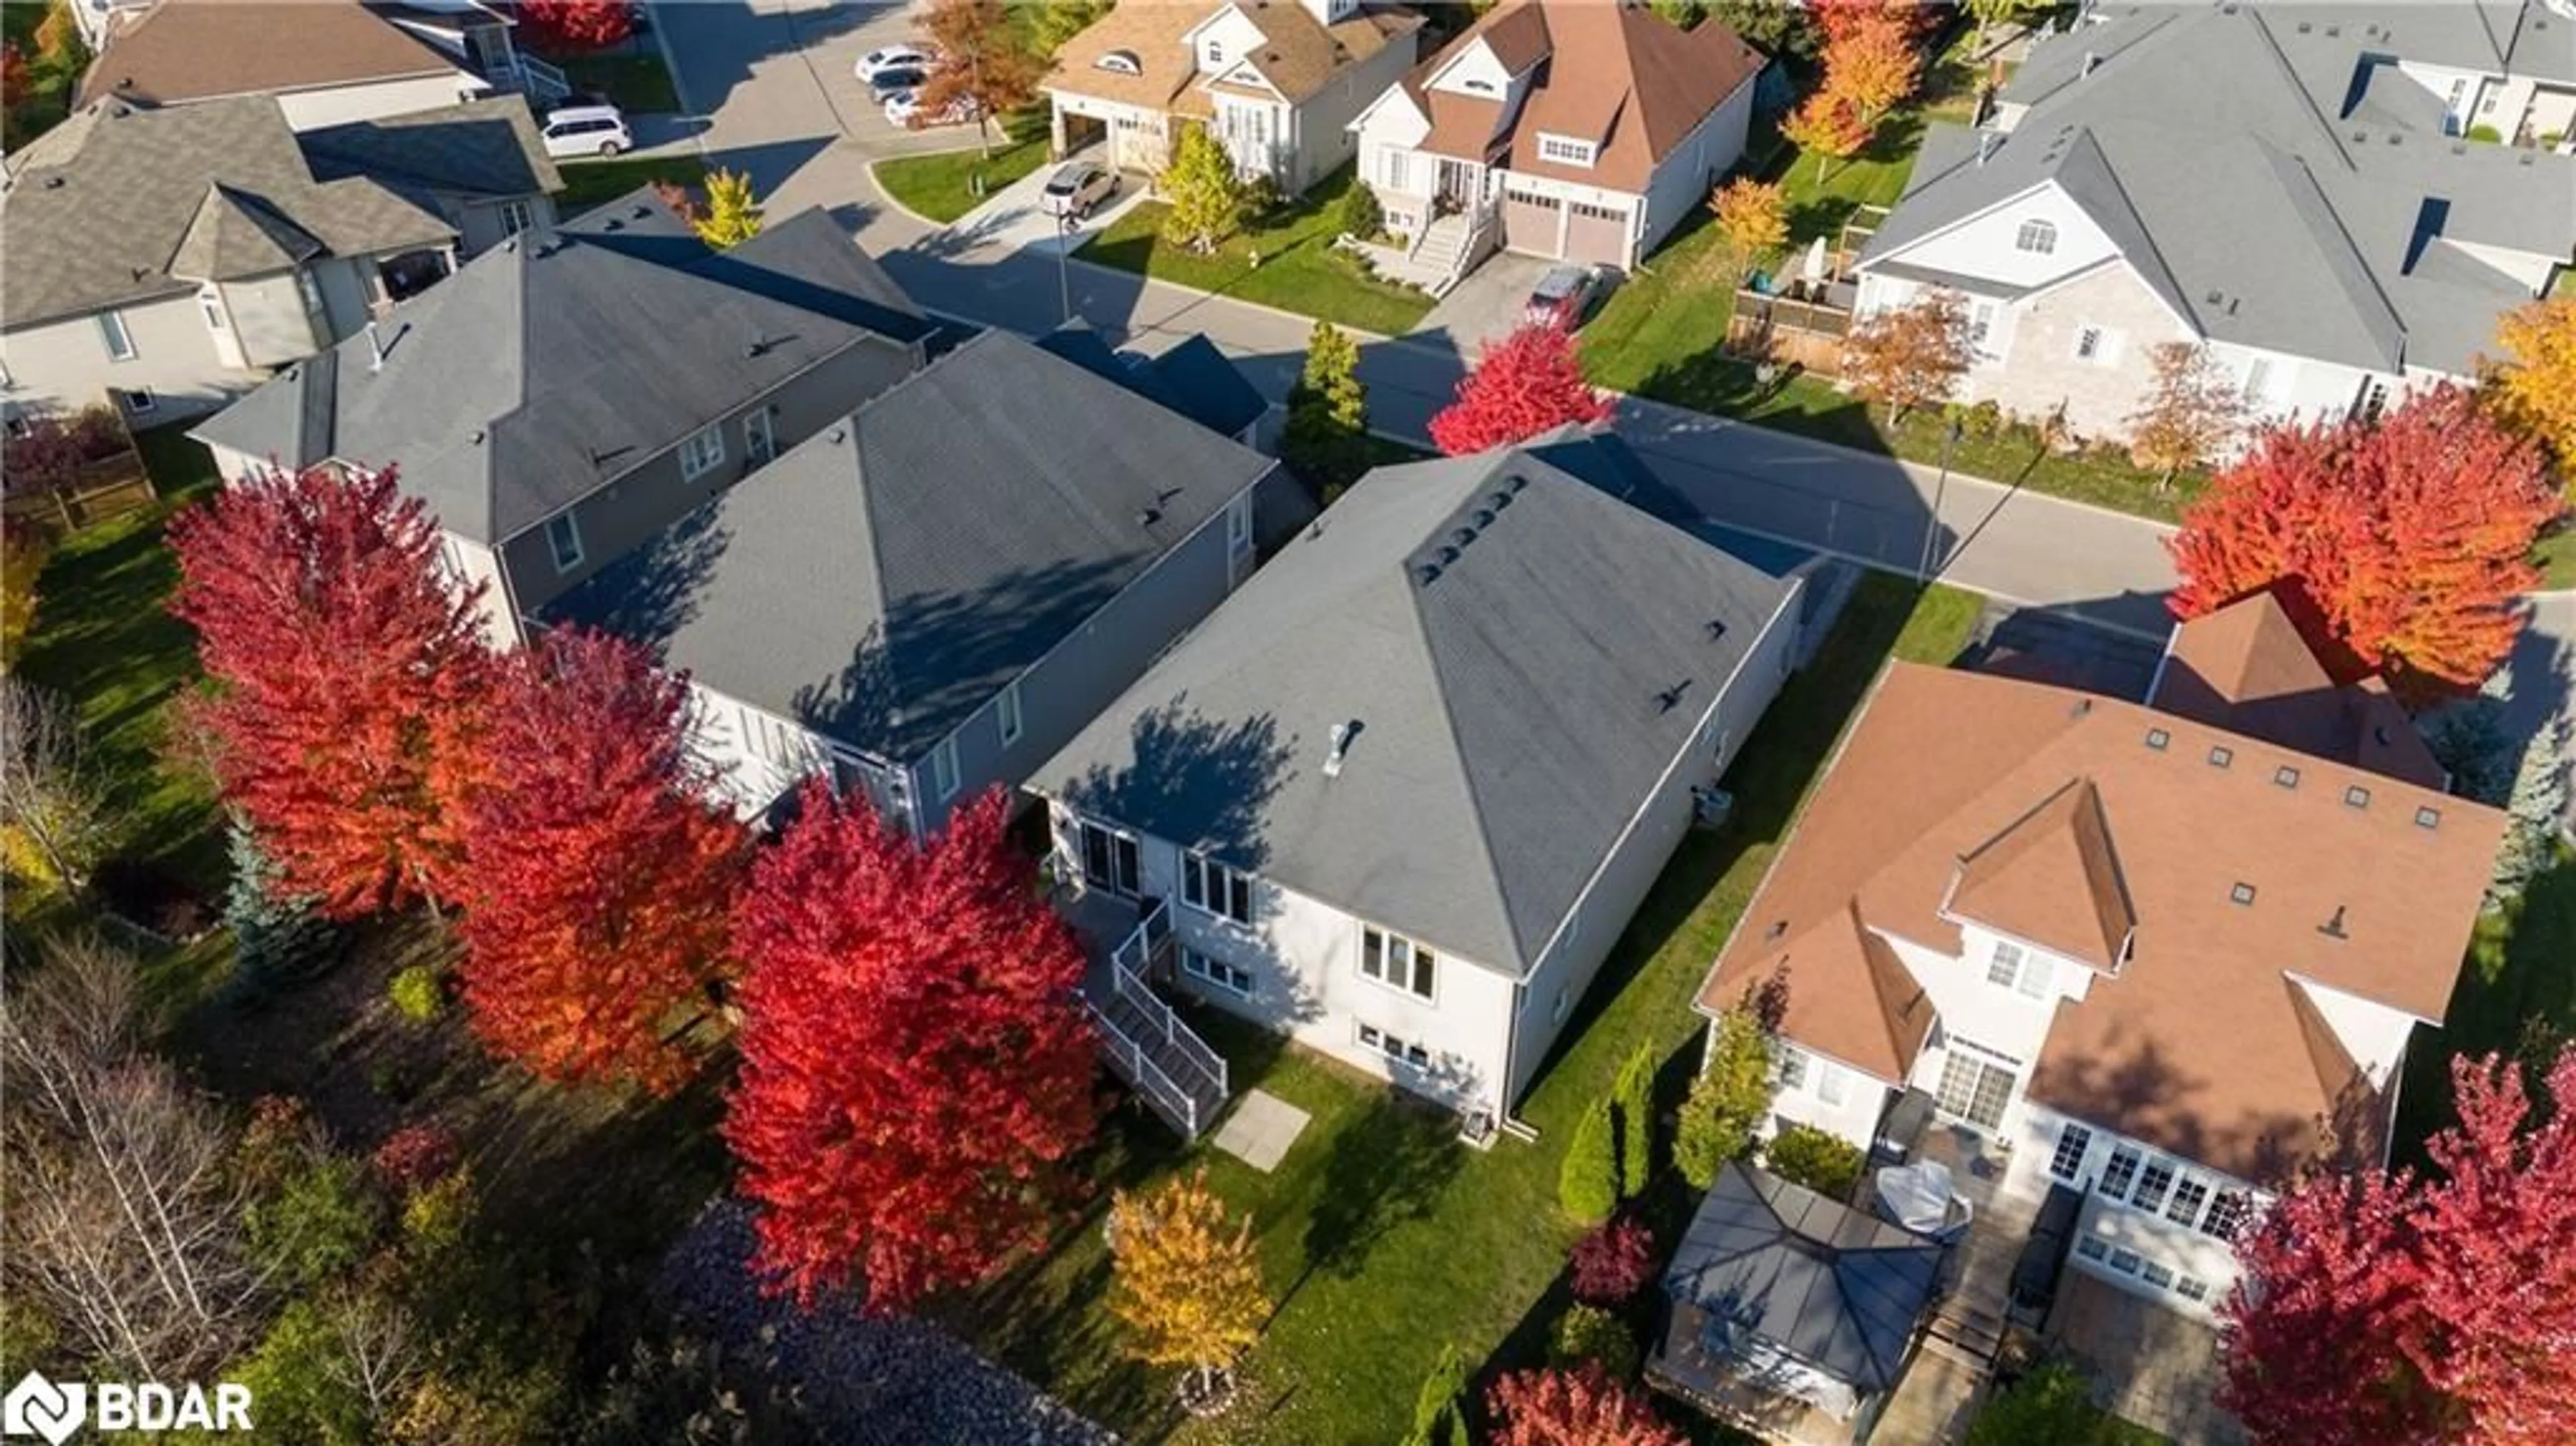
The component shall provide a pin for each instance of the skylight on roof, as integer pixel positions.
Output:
(2357, 796)
(2242, 893)
(2428, 818)
(2158, 739)
(2221, 757)
(2286, 776)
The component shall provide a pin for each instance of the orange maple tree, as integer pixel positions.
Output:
(2412, 534)
(1579, 1407)
(1827, 126)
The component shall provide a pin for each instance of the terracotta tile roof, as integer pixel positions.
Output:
(182, 50)
(2197, 1043)
(1618, 75)
(2052, 878)
(1298, 57)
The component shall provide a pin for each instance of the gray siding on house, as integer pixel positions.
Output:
(618, 518)
(1087, 671)
(1568, 967)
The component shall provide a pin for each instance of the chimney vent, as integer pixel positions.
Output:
(375, 345)
(1988, 142)
(2091, 60)
(1341, 746)
(2333, 928)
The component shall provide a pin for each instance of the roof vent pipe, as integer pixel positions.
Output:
(1988, 142)
(2091, 59)
(376, 345)
(1341, 745)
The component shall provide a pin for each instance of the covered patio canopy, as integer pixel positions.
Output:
(1781, 1271)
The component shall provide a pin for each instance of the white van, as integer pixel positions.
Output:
(587, 130)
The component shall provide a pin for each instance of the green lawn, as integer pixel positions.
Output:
(2517, 995)
(1660, 334)
(592, 183)
(1384, 1237)
(637, 84)
(2052, 1406)
(2556, 555)
(1285, 260)
(940, 186)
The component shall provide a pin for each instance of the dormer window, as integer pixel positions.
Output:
(1479, 86)
(1215, 54)
(1564, 150)
(1119, 62)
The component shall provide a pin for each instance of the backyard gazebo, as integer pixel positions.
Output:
(1789, 1305)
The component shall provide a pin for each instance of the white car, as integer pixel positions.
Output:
(1076, 188)
(892, 57)
(587, 130)
(903, 108)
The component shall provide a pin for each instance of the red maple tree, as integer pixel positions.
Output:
(1526, 384)
(577, 24)
(1581, 1407)
(2412, 534)
(596, 867)
(340, 656)
(916, 1067)
(2376, 1309)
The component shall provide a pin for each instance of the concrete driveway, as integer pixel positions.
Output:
(1487, 304)
(771, 88)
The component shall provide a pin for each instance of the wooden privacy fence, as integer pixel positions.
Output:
(103, 488)
(1776, 328)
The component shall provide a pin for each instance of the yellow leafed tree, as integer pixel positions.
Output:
(1187, 1283)
(732, 214)
(1753, 216)
(2535, 384)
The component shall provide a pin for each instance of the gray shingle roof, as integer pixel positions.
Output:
(112, 206)
(884, 579)
(1783, 1265)
(1193, 378)
(1502, 633)
(547, 366)
(489, 146)
(2284, 207)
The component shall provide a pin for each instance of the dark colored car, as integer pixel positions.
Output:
(902, 77)
(1563, 296)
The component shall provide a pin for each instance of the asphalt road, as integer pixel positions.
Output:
(772, 81)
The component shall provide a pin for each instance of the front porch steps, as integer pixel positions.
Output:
(1449, 248)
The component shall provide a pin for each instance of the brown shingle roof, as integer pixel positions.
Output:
(1618, 75)
(2195, 1045)
(2052, 878)
(2255, 666)
(182, 50)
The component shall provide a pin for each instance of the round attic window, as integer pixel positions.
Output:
(1121, 62)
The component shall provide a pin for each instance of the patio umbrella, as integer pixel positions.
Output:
(1812, 271)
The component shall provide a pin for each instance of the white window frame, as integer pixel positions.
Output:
(1238, 523)
(1833, 1082)
(1417, 961)
(2120, 1172)
(945, 778)
(2003, 967)
(1006, 712)
(1216, 973)
(1395, 170)
(2187, 1187)
(116, 336)
(2037, 236)
(2155, 1185)
(1215, 889)
(569, 539)
(1565, 150)
(763, 423)
(1976, 1087)
(2090, 343)
(696, 460)
(2258, 381)
(1792, 1066)
(2021, 969)
(517, 216)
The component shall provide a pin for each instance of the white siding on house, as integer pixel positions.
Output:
(2372, 1033)
(64, 365)
(2181, 1248)
(339, 104)
(1474, 71)
(1304, 960)
(1826, 1095)
(1985, 245)
(1681, 183)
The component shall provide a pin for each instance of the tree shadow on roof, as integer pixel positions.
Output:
(649, 595)
(1195, 780)
(935, 658)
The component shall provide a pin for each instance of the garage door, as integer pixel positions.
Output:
(1596, 234)
(1529, 223)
